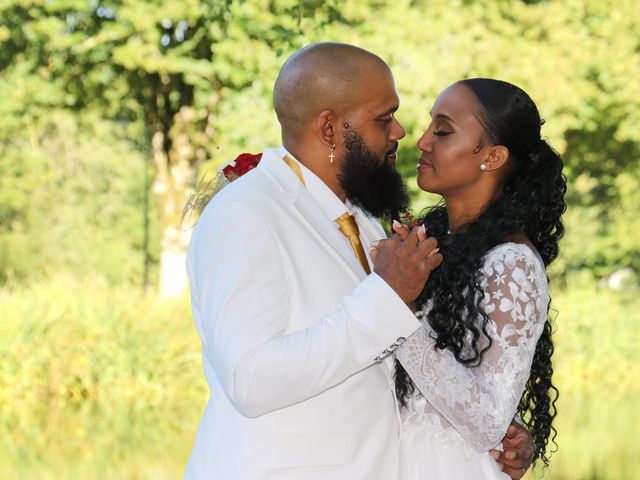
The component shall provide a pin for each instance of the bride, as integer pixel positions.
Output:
(484, 352)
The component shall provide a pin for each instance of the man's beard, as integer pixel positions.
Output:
(375, 187)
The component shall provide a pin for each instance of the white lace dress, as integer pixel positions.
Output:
(459, 413)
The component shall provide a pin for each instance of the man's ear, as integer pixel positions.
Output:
(326, 127)
(496, 158)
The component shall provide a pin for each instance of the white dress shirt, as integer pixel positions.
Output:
(331, 205)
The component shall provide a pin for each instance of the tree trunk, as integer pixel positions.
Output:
(175, 170)
(179, 140)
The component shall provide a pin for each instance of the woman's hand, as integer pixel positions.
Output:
(403, 231)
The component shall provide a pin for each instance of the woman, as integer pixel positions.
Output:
(484, 353)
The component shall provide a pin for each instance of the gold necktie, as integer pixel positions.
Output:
(349, 229)
(293, 165)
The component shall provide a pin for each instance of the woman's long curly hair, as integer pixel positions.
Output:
(531, 203)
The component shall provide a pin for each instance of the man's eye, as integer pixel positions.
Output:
(442, 133)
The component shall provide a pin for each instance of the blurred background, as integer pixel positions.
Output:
(111, 110)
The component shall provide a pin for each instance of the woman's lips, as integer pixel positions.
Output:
(423, 164)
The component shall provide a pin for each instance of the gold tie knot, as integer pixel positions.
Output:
(348, 225)
(349, 228)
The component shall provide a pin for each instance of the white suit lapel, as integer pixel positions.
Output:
(318, 223)
(311, 211)
(324, 229)
(376, 232)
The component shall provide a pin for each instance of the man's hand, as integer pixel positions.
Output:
(518, 451)
(405, 263)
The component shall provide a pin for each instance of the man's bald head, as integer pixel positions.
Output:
(321, 76)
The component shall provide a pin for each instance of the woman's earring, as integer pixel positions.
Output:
(331, 155)
(483, 167)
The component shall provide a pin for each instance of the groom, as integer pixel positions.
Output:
(296, 321)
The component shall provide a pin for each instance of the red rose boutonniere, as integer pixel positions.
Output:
(241, 165)
(206, 190)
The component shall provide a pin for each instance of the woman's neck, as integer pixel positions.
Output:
(465, 207)
(462, 213)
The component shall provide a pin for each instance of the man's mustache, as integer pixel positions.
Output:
(393, 150)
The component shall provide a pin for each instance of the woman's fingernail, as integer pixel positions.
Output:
(396, 224)
(424, 230)
(434, 251)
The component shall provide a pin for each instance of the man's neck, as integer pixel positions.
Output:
(322, 168)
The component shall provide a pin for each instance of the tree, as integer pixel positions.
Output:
(166, 63)
(195, 76)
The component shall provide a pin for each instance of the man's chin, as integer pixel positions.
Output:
(388, 207)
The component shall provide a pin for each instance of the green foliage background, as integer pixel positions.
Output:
(100, 99)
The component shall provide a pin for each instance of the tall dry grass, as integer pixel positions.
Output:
(100, 381)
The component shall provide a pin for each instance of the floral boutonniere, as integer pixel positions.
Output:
(205, 190)
(407, 219)
(241, 165)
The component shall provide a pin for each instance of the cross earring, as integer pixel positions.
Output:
(331, 155)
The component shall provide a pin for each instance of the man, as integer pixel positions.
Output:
(296, 333)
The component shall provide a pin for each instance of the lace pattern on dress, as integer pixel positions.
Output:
(478, 403)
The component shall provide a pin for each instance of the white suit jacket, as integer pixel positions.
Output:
(290, 327)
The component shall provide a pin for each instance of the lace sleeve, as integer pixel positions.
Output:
(480, 402)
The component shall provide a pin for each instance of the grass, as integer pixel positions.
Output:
(596, 338)
(104, 382)
(69, 340)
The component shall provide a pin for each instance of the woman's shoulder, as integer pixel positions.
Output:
(515, 265)
(515, 249)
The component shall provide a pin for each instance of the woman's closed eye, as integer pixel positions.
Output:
(442, 133)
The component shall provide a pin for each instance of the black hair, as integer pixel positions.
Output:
(375, 186)
(531, 203)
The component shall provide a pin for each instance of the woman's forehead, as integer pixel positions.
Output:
(457, 102)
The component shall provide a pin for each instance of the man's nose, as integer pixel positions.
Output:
(398, 131)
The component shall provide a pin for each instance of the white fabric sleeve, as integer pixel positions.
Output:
(480, 402)
(241, 291)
